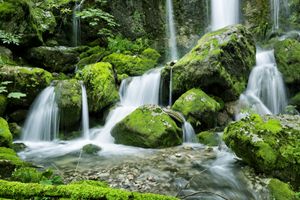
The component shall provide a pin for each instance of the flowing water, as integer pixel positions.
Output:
(224, 13)
(76, 27)
(42, 123)
(276, 6)
(85, 114)
(265, 92)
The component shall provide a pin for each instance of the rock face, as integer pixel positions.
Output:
(198, 108)
(5, 135)
(149, 127)
(30, 81)
(68, 94)
(288, 61)
(269, 144)
(219, 64)
(99, 81)
(54, 59)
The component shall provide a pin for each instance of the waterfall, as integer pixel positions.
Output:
(265, 92)
(224, 13)
(42, 123)
(76, 29)
(189, 135)
(134, 92)
(85, 114)
(171, 31)
(276, 7)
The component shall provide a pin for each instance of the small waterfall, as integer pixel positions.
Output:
(85, 114)
(134, 92)
(224, 13)
(189, 135)
(265, 92)
(171, 31)
(42, 123)
(276, 10)
(76, 29)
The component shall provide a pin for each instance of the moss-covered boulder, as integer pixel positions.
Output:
(149, 127)
(133, 65)
(198, 108)
(6, 57)
(91, 56)
(69, 100)
(9, 161)
(288, 61)
(5, 135)
(281, 191)
(54, 59)
(269, 144)
(30, 81)
(209, 138)
(219, 64)
(100, 84)
(91, 149)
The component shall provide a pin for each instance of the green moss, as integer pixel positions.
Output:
(27, 175)
(151, 54)
(296, 101)
(100, 84)
(209, 138)
(148, 127)
(198, 108)
(9, 161)
(92, 56)
(5, 135)
(91, 149)
(281, 191)
(130, 65)
(73, 191)
(3, 104)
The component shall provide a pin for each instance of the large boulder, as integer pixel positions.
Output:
(270, 144)
(288, 61)
(54, 59)
(198, 108)
(100, 84)
(30, 81)
(5, 135)
(149, 127)
(133, 65)
(219, 64)
(68, 96)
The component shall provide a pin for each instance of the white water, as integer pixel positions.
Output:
(76, 28)
(276, 6)
(265, 92)
(189, 135)
(42, 123)
(171, 31)
(224, 13)
(85, 114)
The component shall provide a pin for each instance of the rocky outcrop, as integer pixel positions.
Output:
(198, 108)
(219, 64)
(100, 83)
(148, 127)
(269, 144)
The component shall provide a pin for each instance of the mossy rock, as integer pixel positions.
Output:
(6, 56)
(288, 61)
(91, 149)
(9, 161)
(198, 108)
(100, 84)
(295, 101)
(27, 175)
(5, 134)
(15, 130)
(69, 101)
(149, 127)
(91, 56)
(219, 64)
(30, 81)
(3, 104)
(151, 54)
(281, 191)
(54, 59)
(132, 65)
(84, 190)
(269, 144)
(209, 138)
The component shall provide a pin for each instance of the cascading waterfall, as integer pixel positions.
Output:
(276, 11)
(224, 13)
(85, 114)
(265, 92)
(42, 123)
(76, 29)
(171, 33)
(189, 135)
(134, 92)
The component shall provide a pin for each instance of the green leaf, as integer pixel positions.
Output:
(5, 82)
(16, 95)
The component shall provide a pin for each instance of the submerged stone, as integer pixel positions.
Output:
(219, 64)
(91, 149)
(269, 144)
(198, 108)
(149, 127)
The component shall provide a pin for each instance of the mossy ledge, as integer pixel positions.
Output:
(17, 190)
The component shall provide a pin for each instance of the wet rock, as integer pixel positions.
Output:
(209, 138)
(91, 149)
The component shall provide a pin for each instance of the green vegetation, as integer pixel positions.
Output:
(149, 127)
(281, 191)
(5, 135)
(209, 138)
